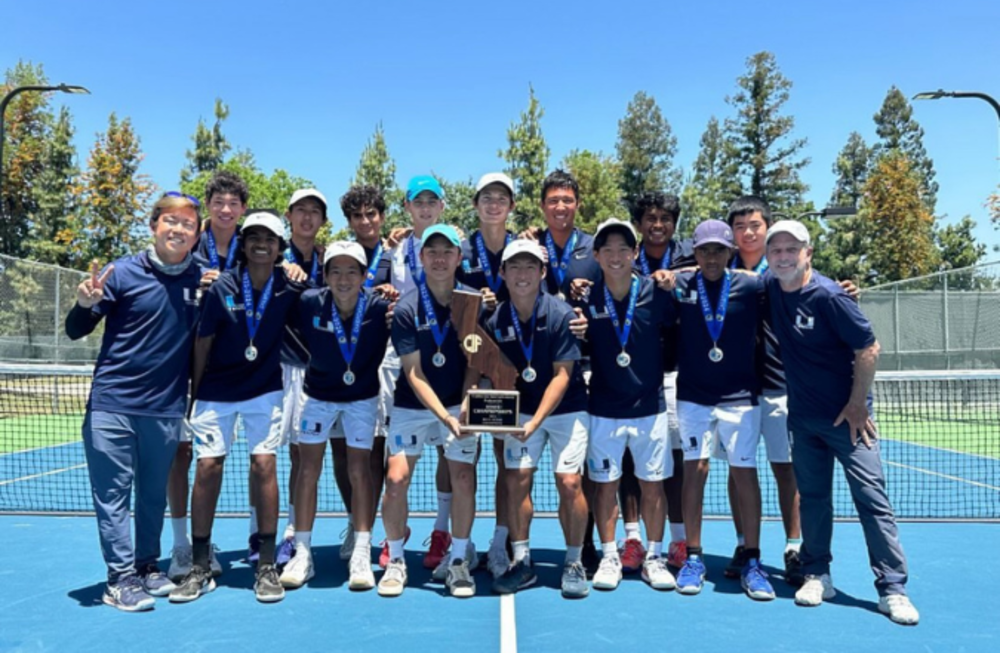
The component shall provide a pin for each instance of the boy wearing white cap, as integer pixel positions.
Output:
(345, 334)
(236, 371)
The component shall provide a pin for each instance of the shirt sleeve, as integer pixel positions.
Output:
(849, 322)
(404, 330)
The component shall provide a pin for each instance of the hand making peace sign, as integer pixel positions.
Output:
(91, 290)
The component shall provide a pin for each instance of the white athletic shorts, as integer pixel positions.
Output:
(213, 424)
(356, 417)
(567, 438)
(730, 432)
(292, 378)
(670, 394)
(388, 373)
(646, 438)
(411, 429)
(774, 428)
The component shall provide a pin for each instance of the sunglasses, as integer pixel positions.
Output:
(174, 193)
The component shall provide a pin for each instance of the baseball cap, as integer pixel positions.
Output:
(421, 183)
(713, 231)
(614, 225)
(445, 230)
(495, 178)
(266, 220)
(522, 246)
(793, 228)
(304, 193)
(345, 248)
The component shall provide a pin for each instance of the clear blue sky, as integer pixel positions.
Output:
(307, 81)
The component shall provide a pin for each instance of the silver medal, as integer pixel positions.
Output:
(438, 359)
(251, 353)
(529, 374)
(623, 360)
(715, 354)
(349, 377)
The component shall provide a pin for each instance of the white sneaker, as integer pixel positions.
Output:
(347, 547)
(440, 573)
(394, 579)
(609, 574)
(815, 590)
(299, 569)
(656, 573)
(180, 562)
(899, 609)
(361, 576)
(459, 580)
(497, 561)
(214, 565)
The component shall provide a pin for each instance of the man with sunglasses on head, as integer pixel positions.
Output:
(135, 410)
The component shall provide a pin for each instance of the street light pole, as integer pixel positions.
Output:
(938, 94)
(63, 88)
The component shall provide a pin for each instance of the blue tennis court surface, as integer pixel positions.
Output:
(53, 574)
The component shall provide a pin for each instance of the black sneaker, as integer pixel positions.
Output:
(520, 575)
(268, 587)
(591, 561)
(793, 569)
(197, 582)
(735, 566)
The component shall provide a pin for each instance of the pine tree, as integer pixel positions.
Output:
(210, 145)
(527, 159)
(646, 149)
(714, 181)
(377, 168)
(54, 199)
(600, 193)
(899, 132)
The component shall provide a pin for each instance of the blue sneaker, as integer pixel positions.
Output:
(285, 551)
(253, 548)
(755, 583)
(154, 581)
(691, 578)
(128, 594)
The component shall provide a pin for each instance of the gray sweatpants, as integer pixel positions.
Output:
(815, 444)
(125, 451)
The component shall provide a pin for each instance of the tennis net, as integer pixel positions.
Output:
(940, 446)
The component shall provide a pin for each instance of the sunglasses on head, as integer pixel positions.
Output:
(175, 193)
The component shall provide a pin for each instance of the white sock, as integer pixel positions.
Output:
(459, 545)
(180, 528)
(362, 543)
(305, 537)
(632, 530)
(500, 537)
(740, 540)
(677, 532)
(654, 549)
(573, 554)
(793, 544)
(290, 527)
(610, 550)
(395, 549)
(521, 551)
(253, 520)
(444, 511)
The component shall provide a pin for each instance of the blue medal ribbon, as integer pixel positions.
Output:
(373, 265)
(314, 275)
(439, 333)
(484, 262)
(213, 252)
(714, 318)
(526, 348)
(349, 345)
(644, 262)
(254, 317)
(411, 262)
(622, 330)
(556, 264)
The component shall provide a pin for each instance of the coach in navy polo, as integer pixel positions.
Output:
(830, 352)
(136, 404)
(569, 250)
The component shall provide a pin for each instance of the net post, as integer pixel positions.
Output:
(944, 302)
(55, 334)
(895, 326)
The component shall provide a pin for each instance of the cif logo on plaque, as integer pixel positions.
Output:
(494, 410)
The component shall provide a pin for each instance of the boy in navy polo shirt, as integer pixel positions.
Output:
(627, 314)
(720, 313)
(830, 353)
(237, 373)
(136, 405)
(426, 410)
(533, 330)
(226, 196)
(481, 255)
(346, 334)
(306, 215)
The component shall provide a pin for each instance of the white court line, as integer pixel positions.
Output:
(48, 446)
(508, 625)
(928, 446)
(947, 476)
(33, 476)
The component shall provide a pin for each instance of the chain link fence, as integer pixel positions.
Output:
(34, 301)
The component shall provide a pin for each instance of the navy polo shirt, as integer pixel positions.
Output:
(143, 367)
(201, 250)
(229, 376)
(383, 271)
(325, 374)
(819, 328)
(636, 390)
(472, 272)
(293, 349)
(552, 343)
(681, 256)
(410, 333)
(581, 263)
(733, 380)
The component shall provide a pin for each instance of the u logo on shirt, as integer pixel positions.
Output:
(192, 296)
(319, 325)
(690, 298)
(804, 321)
